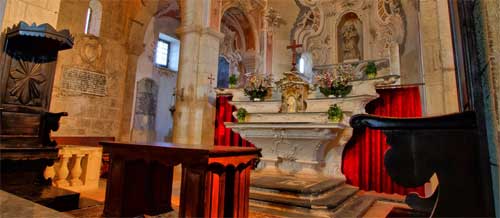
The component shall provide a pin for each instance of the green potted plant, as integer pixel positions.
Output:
(241, 114)
(233, 81)
(335, 113)
(371, 70)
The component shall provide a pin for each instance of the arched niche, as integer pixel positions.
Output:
(239, 45)
(350, 38)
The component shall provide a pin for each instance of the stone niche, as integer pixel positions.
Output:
(350, 38)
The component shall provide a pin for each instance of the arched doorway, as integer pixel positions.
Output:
(237, 52)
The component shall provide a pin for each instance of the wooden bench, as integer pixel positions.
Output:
(215, 179)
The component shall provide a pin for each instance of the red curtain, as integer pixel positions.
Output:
(223, 135)
(363, 160)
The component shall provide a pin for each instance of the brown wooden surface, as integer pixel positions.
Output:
(27, 67)
(215, 179)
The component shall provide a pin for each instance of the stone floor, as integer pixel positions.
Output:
(380, 207)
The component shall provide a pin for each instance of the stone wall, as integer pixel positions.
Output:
(490, 10)
(103, 61)
(39, 11)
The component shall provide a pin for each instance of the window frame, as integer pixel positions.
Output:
(168, 53)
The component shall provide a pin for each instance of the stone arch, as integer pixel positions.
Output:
(240, 44)
(151, 20)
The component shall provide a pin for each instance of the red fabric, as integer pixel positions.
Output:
(363, 160)
(223, 135)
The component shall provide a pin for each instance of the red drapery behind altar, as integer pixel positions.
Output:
(223, 135)
(363, 160)
(363, 157)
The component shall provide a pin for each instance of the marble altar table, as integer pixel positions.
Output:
(215, 179)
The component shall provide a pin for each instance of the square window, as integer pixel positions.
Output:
(162, 52)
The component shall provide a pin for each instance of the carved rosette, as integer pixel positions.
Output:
(27, 83)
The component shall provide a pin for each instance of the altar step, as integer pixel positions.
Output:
(285, 195)
(355, 206)
(326, 200)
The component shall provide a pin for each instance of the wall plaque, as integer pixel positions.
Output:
(84, 81)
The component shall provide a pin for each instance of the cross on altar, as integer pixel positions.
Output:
(294, 47)
(211, 78)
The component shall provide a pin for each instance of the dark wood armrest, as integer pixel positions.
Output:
(48, 123)
(466, 120)
(448, 146)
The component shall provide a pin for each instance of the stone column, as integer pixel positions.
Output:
(439, 68)
(195, 98)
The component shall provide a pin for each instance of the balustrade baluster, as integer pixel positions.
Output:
(62, 172)
(77, 171)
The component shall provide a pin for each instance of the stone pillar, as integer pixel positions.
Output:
(439, 68)
(195, 97)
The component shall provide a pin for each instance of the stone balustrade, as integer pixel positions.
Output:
(77, 169)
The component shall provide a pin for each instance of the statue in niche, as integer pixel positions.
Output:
(350, 38)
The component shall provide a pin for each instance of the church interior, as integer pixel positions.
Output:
(249, 108)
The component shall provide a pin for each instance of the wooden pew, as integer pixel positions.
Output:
(446, 145)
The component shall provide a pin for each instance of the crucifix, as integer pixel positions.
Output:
(211, 78)
(294, 47)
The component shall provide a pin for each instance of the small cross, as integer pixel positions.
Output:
(294, 47)
(211, 78)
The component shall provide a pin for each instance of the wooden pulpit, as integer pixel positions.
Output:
(448, 146)
(27, 68)
(215, 179)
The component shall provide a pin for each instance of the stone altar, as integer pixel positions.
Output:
(302, 150)
(303, 143)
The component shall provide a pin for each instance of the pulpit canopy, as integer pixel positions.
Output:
(38, 43)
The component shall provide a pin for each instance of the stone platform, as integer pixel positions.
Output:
(289, 195)
(52, 197)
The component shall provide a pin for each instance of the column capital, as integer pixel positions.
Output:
(199, 29)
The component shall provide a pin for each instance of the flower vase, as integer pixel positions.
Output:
(257, 99)
(331, 96)
(241, 120)
(232, 86)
